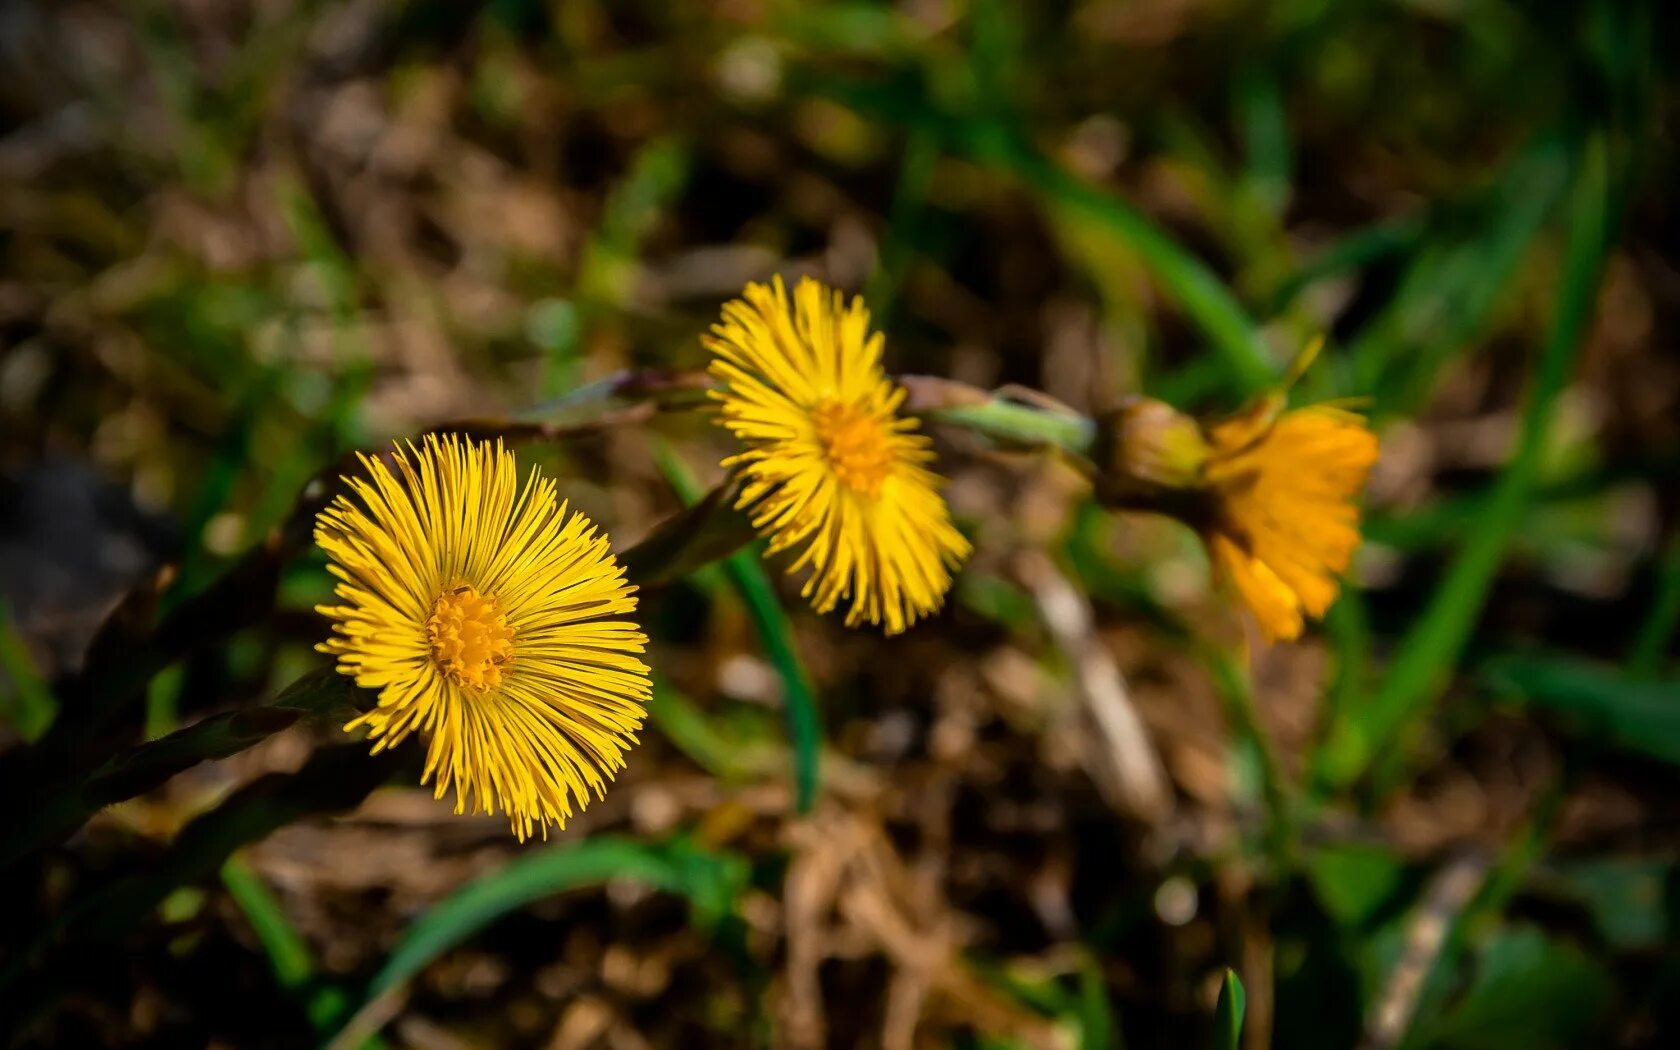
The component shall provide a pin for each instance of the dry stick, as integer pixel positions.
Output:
(1127, 771)
(370, 1019)
(1449, 893)
(1259, 971)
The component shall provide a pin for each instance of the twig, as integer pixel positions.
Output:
(1127, 769)
(1449, 893)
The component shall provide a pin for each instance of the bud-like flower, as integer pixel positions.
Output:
(1272, 493)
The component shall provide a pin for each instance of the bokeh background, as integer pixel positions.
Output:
(240, 237)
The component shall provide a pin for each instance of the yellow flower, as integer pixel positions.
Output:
(1272, 492)
(485, 617)
(830, 465)
(1284, 524)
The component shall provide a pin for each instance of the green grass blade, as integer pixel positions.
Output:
(1656, 634)
(723, 755)
(768, 616)
(287, 953)
(1358, 250)
(708, 880)
(1431, 650)
(25, 701)
(1454, 283)
(1228, 1021)
(1264, 121)
(746, 574)
(915, 178)
(1098, 1029)
(1637, 715)
(1186, 279)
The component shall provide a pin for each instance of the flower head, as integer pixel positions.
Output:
(830, 465)
(1272, 493)
(486, 617)
(1284, 524)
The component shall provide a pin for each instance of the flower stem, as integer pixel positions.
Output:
(1018, 424)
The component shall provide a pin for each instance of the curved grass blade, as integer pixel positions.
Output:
(25, 700)
(281, 942)
(1638, 715)
(288, 955)
(1427, 655)
(1656, 634)
(746, 574)
(709, 881)
(1189, 281)
(1233, 1001)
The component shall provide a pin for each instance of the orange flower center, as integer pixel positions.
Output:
(471, 640)
(856, 444)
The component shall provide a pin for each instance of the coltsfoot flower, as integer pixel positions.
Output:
(1271, 491)
(831, 467)
(489, 620)
(1285, 524)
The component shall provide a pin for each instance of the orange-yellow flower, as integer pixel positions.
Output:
(1284, 522)
(1272, 492)
(489, 620)
(830, 465)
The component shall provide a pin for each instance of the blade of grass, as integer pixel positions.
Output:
(1503, 879)
(25, 702)
(1427, 655)
(284, 946)
(610, 260)
(1656, 634)
(746, 573)
(710, 882)
(1228, 1019)
(1452, 287)
(915, 177)
(288, 954)
(1098, 1029)
(1264, 122)
(1638, 715)
(1000, 138)
(1355, 251)
(1185, 279)
(724, 755)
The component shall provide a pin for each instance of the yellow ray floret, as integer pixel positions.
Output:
(488, 618)
(1284, 523)
(830, 466)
